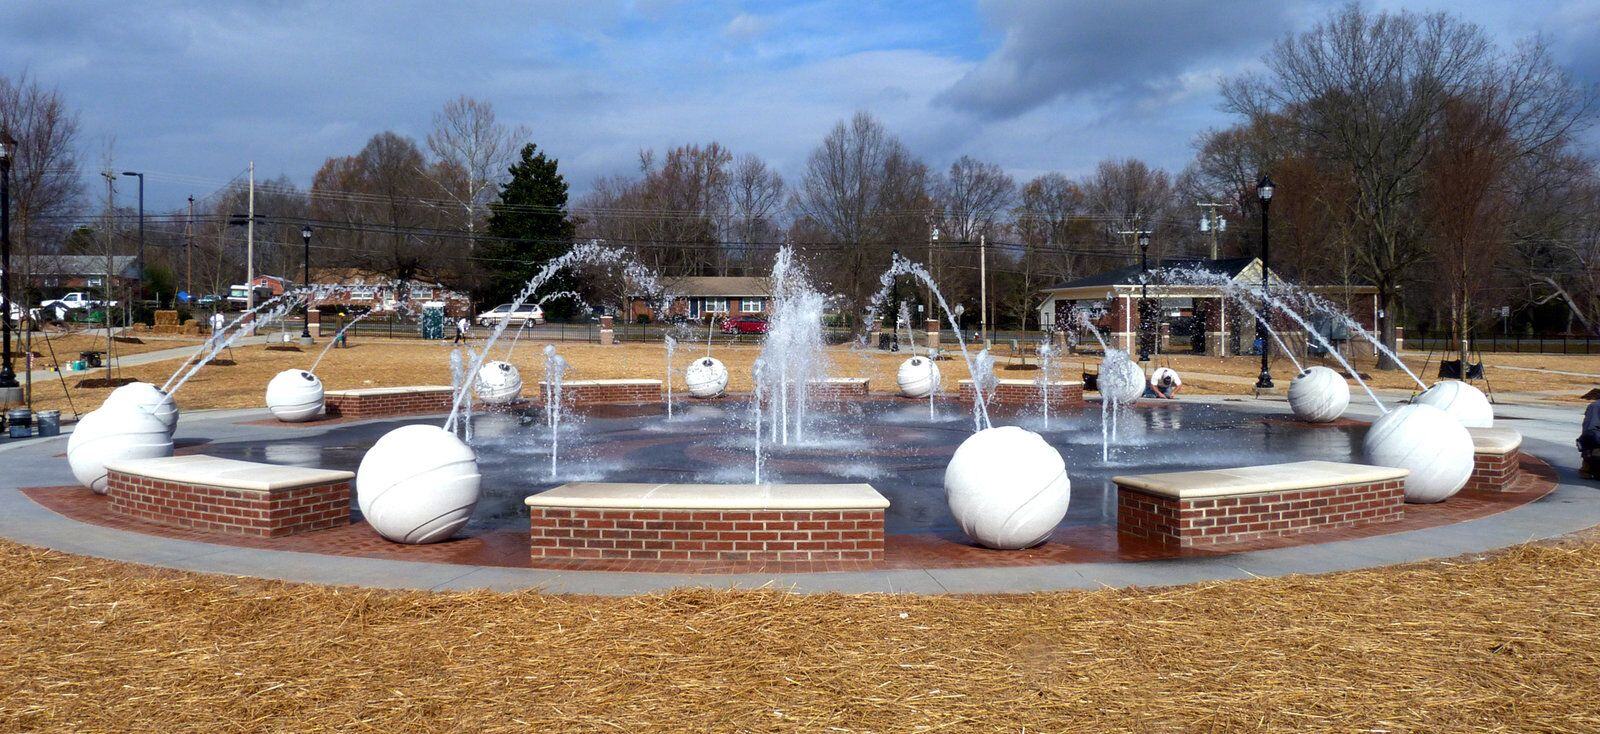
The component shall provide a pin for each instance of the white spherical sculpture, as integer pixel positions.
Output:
(918, 377)
(1463, 402)
(294, 396)
(1007, 488)
(499, 383)
(148, 398)
(418, 484)
(1319, 395)
(1120, 380)
(706, 377)
(115, 432)
(1435, 447)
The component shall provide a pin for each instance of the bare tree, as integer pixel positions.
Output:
(476, 150)
(1364, 93)
(1128, 195)
(971, 197)
(377, 209)
(46, 189)
(864, 191)
(755, 203)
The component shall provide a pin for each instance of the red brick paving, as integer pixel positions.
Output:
(508, 547)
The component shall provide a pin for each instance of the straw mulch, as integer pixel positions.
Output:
(1511, 643)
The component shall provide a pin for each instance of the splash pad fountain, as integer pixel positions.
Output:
(971, 476)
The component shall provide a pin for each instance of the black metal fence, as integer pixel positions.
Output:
(1509, 343)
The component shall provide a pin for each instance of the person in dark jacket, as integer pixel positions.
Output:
(1589, 440)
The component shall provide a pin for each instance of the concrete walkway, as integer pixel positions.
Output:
(133, 360)
(1573, 506)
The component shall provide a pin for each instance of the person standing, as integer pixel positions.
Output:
(218, 323)
(463, 326)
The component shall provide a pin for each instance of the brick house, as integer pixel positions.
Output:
(702, 297)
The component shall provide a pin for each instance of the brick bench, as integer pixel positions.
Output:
(1496, 459)
(589, 392)
(726, 526)
(372, 402)
(837, 388)
(1200, 508)
(228, 496)
(1063, 393)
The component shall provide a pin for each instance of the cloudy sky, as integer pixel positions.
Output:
(192, 91)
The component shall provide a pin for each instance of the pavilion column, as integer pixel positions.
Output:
(608, 335)
(932, 325)
(314, 320)
(1216, 326)
(1124, 323)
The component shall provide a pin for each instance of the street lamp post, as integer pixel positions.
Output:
(9, 389)
(894, 297)
(1144, 296)
(140, 288)
(1264, 192)
(305, 274)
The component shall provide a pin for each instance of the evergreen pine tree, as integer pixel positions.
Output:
(531, 226)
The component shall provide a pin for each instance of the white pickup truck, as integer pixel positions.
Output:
(72, 301)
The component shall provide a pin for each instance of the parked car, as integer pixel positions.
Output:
(72, 301)
(209, 300)
(744, 325)
(526, 313)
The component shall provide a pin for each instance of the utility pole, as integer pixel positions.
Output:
(1212, 222)
(111, 213)
(188, 250)
(933, 238)
(250, 252)
(983, 289)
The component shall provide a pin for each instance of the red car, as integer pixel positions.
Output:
(744, 325)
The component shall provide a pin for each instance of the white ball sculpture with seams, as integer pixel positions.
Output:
(418, 484)
(1463, 402)
(1007, 488)
(115, 432)
(1319, 395)
(1120, 380)
(499, 383)
(706, 377)
(294, 396)
(1435, 447)
(918, 377)
(150, 399)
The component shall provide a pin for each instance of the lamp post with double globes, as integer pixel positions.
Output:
(1264, 192)
(1144, 296)
(10, 391)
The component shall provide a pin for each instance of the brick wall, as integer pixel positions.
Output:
(589, 393)
(340, 404)
(267, 514)
(676, 539)
(1217, 520)
(1495, 472)
(1012, 393)
(831, 390)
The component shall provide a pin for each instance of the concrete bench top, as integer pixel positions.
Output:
(362, 392)
(839, 381)
(1495, 440)
(582, 383)
(1248, 480)
(1030, 383)
(211, 471)
(643, 496)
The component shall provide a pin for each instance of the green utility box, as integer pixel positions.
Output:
(432, 321)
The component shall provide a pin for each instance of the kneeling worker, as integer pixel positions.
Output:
(1165, 383)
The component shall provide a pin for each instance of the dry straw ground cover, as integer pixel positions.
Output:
(1511, 643)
